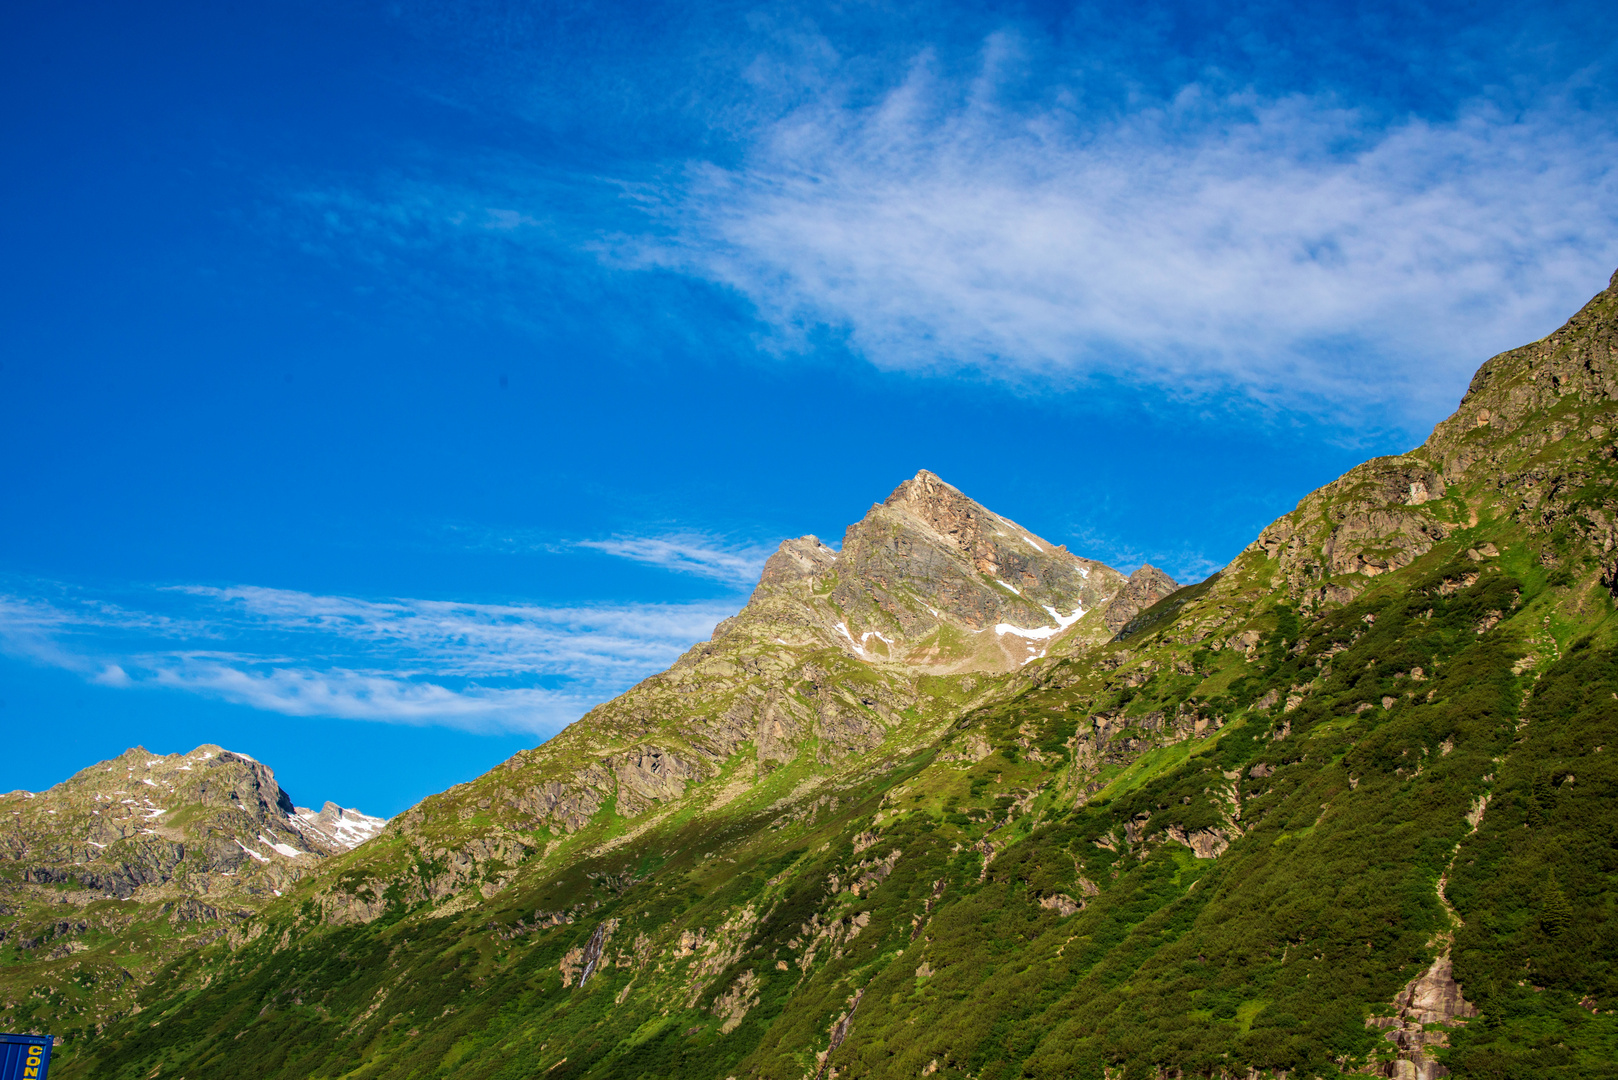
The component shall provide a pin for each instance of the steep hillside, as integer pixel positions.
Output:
(1345, 807)
(133, 861)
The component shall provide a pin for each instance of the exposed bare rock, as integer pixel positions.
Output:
(1374, 519)
(1145, 587)
(1432, 998)
(734, 1003)
(1204, 843)
(566, 805)
(647, 774)
(1061, 903)
(973, 748)
(796, 560)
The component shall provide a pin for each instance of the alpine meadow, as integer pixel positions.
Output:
(950, 801)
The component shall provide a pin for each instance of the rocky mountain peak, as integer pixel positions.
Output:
(343, 828)
(959, 523)
(927, 578)
(211, 822)
(957, 520)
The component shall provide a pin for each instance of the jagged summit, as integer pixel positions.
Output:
(958, 522)
(802, 557)
(928, 578)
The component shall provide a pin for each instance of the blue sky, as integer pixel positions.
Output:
(385, 384)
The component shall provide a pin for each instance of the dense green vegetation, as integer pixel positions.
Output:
(1270, 956)
(1257, 832)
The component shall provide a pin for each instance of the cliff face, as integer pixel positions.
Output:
(953, 802)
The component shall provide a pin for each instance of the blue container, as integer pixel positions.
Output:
(25, 1057)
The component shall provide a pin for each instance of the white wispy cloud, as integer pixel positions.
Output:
(700, 554)
(510, 666)
(361, 695)
(1292, 250)
(688, 554)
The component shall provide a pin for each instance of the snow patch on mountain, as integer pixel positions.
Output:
(1062, 623)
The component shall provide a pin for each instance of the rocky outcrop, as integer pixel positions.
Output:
(649, 774)
(733, 1005)
(1204, 843)
(1373, 520)
(1061, 903)
(1505, 404)
(1387, 513)
(566, 806)
(1145, 587)
(796, 560)
(1432, 999)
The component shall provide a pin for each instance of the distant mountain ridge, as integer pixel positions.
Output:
(194, 819)
(192, 841)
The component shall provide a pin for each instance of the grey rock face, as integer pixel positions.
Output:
(929, 579)
(1144, 588)
(1431, 1000)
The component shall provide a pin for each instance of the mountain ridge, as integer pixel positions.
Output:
(162, 849)
(1338, 809)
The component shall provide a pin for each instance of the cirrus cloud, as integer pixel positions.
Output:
(483, 666)
(1292, 251)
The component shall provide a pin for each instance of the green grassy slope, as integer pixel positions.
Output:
(1375, 749)
(1269, 956)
